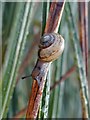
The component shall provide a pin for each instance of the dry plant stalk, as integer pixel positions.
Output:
(64, 77)
(84, 109)
(83, 18)
(84, 45)
(52, 25)
(20, 114)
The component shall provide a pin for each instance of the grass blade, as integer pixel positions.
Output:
(13, 62)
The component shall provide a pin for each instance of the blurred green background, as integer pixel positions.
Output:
(21, 30)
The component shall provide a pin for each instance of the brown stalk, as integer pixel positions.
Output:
(64, 77)
(86, 36)
(83, 18)
(17, 116)
(84, 45)
(52, 25)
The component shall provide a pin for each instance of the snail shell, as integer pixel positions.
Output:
(51, 47)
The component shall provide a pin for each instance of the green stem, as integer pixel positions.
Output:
(13, 62)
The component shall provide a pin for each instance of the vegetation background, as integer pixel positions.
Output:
(21, 30)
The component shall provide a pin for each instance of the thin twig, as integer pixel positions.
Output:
(82, 73)
(64, 77)
(19, 114)
(84, 32)
(36, 93)
(84, 43)
(55, 15)
(86, 36)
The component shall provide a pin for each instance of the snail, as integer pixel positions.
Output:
(51, 47)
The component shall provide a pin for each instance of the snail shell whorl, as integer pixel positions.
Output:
(51, 47)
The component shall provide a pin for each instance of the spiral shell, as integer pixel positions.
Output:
(51, 47)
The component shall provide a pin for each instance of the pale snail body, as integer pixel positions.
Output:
(51, 47)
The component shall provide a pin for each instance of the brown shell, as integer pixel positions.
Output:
(52, 48)
(46, 40)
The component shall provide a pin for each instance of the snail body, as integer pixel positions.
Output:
(51, 47)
